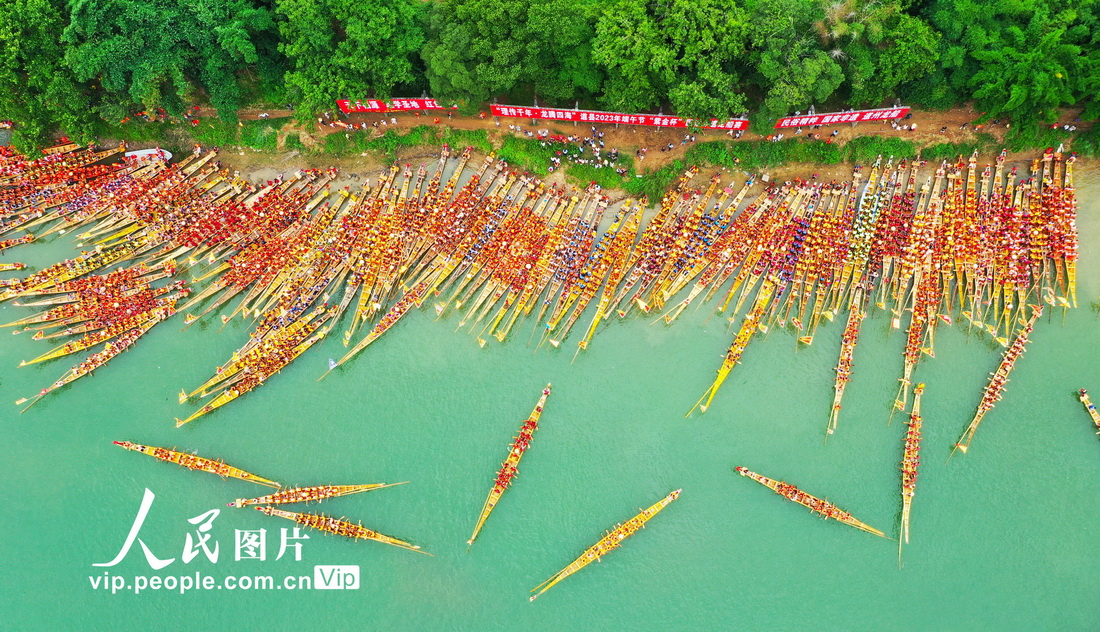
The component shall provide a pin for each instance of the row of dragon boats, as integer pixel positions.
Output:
(487, 246)
(268, 504)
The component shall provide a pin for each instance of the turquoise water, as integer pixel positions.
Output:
(1003, 538)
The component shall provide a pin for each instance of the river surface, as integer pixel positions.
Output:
(1003, 538)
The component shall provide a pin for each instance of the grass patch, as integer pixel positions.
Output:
(460, 139)
(986, 142)
(215, 133)
(136, 131)
(947, 151)
(336, 144)
(720, 153)
(173, 137)
(1088, 143)
(867, 149)
(259, 135)
(655, 183)
(294, 143)
(583, 175)
(533, 157)
(358, 142)
(1029, 136)
(361, 141)
(528, 155)
(752, 155)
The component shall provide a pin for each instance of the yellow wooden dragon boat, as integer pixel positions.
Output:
(198, 463)
(341, 527)
(910, 463)
(749, 328)
(313, 494)
(856, 314)
(813, 503)
(998, 379)
(510, 467)
(609, 542)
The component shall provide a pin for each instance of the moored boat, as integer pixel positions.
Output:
(505, 243)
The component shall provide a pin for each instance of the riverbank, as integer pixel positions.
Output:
(275, 142)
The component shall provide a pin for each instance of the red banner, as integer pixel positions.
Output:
(842, 117)
(393, 105)
(591, 116)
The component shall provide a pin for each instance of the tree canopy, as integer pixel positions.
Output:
(682, 52)
(478, 49)
(341, 48)
(1022, 59)
(66, 64)
(157, 52)
(878, 46)
(37, 87)
(792, 71)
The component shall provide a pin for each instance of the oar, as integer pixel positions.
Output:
(33, 402)
(898, 403)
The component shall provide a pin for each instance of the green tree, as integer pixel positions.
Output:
(560, 64)
(478, 49)
(472, 52)
(792, 70)
(1031, 69)
(37, 90)
(1023, 59)
(685, 53)
(348, 48)
(1085, 32)
(156, 52)
(878, 46)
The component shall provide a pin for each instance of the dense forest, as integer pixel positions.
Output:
(80, 66)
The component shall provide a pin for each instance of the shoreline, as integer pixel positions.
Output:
(353, 171)
(283, 143)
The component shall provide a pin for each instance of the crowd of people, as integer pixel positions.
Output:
(504, 235)
(577, 149)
